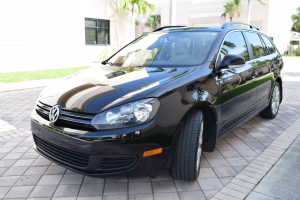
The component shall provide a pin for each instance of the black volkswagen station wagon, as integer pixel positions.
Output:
(160, 101)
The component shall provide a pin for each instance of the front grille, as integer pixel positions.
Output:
(62, 155)
(115, 163)
(68, 118)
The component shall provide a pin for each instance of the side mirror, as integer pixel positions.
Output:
(231, 61)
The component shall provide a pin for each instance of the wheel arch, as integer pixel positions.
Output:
(210, 119)
(279, 80)
(210, 128)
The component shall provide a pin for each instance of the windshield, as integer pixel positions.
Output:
(166, 49)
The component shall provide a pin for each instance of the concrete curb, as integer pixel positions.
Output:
(241, 185)
(8, 87)
(16, 90)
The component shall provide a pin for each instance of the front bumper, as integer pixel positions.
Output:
(99, 157)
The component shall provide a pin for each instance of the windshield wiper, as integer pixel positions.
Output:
(106, 62)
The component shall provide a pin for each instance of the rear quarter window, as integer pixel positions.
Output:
(255, 44)
(269, 45)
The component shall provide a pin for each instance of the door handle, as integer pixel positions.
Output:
(272, 68)
(254, 75)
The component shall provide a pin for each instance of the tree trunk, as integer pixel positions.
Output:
(117, 24)
(249, 11)
(172, 13)
(131, 27)
(230, 19)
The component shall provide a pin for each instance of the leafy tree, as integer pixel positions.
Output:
(297, 51)
(153, 21)
(231, 6)
(142, 7)
(296, 21)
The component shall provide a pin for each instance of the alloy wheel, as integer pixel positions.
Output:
(199, 150)
(275, 99)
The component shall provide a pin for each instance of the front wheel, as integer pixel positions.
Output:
(271, 110)
(188, 148)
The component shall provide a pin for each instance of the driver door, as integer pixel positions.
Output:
(237, 89)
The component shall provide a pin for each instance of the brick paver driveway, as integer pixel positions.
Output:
(25, 174)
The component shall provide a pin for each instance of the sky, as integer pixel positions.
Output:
(295, 4)
(291, 8)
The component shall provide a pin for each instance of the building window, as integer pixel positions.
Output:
(97, 31)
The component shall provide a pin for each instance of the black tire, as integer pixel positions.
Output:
(186, 155)
(271, 110)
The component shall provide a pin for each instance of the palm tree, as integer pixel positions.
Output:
(142, 7)
(249, 10)
(231, 7)
(153, 21)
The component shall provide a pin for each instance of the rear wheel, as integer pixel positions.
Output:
(188, 148)
(271, 111)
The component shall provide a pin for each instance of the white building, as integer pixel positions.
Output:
(41, 34)
(44, 34)
(273, 18)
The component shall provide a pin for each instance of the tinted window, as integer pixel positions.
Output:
(166, 49)
(269, 45)
(256, 45)
(234, 44)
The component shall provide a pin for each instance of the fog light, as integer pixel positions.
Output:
(152, 152)
(137, 134)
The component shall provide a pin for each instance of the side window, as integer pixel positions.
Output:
(234, 43)
(256, 44)
(269, 45)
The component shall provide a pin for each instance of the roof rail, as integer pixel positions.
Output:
(228, 24)
(161, 28)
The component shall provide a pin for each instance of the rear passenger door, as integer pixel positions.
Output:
(237, 91)
(263, 66)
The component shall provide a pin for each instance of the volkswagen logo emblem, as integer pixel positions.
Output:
(54, 113)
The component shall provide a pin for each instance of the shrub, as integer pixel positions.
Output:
(107, 52)
(294, 42)
(297, 51)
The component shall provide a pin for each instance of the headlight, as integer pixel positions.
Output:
(127, 115)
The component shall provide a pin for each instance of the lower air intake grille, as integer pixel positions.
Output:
(115, 163)
(62, 155)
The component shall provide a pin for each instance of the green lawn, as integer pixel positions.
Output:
(11, 77)
(290, 56)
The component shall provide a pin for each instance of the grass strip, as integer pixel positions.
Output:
(290, 56)
(11, 77)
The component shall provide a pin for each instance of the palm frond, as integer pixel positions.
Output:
(224, 14)
(261, 2)
(153, 20)
(142, 6)
(126, 4)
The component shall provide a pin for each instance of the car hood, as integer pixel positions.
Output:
(99, 88)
